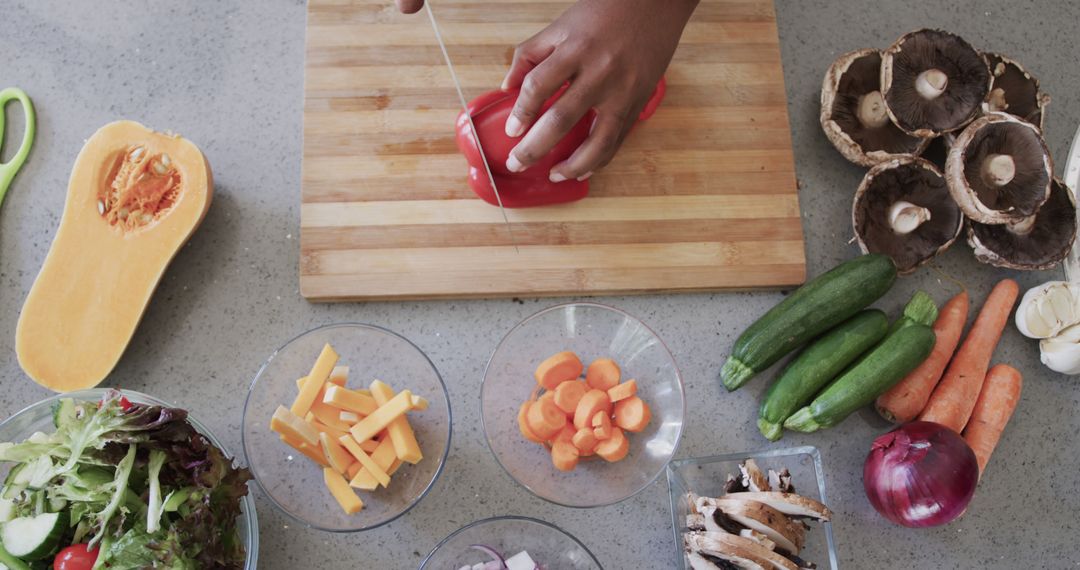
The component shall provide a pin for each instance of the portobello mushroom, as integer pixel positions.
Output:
(1039, 241)
(853, 113)
(903, 209)
(933, 82)
(999, 170)
(1014, 91)
(723, 543)
(791, 504)
(709, 554)
(781, 481)
(758, 538)
(752, 477)
(786, 533)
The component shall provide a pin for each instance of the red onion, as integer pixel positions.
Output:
(920, 474)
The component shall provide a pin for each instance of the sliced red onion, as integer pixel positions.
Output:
(497, 560)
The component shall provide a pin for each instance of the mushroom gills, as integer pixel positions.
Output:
(1014, 91)
(786, 533)
(1039, 241)
(719, 543)
(711, 550)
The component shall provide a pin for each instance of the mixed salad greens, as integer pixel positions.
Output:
(121, 485)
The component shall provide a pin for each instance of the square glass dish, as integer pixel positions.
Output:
(705, 476)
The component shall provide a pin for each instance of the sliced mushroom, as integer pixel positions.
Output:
(758, 538)
(1039, 241)
(999, 169)
(695, 521)
(734, 484)
(1014, 91)
(716, 520)
(752, 477)
(786, 533)
(903, 209)
(707, 554)
(710, 542)
(791, 504)
(781, 481)
(933, 82)
(853, 113)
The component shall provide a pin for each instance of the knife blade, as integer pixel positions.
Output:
(1072, 180)
(468, 115)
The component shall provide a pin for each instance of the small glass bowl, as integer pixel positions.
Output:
(293, 482)
(39, 417)
(705, 476)
(592, 331)
(548, 545)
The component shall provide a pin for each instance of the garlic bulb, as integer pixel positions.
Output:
(1062, 352)
(1048, 309)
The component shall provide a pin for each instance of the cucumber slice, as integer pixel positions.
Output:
(35, 474)
(175, 499)
(7, 510)
(64, 413)
(33, 538)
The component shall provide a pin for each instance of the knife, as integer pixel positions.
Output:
(468, 115)
(1072, 180)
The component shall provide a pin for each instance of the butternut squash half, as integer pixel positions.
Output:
(134, 198)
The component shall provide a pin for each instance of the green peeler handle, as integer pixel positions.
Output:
(8, 169)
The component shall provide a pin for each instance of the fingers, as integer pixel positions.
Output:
(536, 88)
(409, 6)
(550, 128)
(608, 132)
(527, 56)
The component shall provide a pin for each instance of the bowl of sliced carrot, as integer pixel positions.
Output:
(346, 427)
(582, 404)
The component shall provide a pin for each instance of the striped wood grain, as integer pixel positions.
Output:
(701, 197)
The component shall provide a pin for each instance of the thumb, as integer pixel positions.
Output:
(409, 6)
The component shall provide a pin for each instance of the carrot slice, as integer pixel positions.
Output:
(585, 440)
(622, 391)
(544, 418)
(566, 434)
(523, 423)
(564, 455)
(996, 403)
(954, 397)
(632, 414)
(568, 394)
(593, 401)
(601, 426)
(615, 447)
(603, 374)
(558, 369)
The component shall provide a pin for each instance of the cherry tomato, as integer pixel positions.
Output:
(125, 404)
(75, 557)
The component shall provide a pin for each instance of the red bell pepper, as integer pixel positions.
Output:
(530, 187)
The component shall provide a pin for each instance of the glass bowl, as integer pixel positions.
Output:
(548, 545)
(592, 331)
(705, 476)
(294, 483)
(39, 417)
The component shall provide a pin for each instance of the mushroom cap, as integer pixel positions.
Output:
(1049, 240)
(918, 182)
(848, 80)
(994, 135)
(963, 81)
(1014, 90)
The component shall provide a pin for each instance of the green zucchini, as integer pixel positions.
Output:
(812, 309)
(873, 374)
(820, 362)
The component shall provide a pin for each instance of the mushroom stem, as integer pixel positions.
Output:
(998, 170)
(905, 217)
(931, 83)
(871, 110)
(996, 101)
(1023, 227)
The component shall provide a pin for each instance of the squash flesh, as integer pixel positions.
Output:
(101, 272)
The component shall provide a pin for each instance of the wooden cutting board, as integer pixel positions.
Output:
(701, 197)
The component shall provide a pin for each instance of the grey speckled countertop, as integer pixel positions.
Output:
(229, 76)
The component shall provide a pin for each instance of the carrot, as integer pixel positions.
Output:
(904, 401)
(585, 441)
(996, 403)
(603, 374)
(523, 424)
(954, 397)
(615, 447)
(632, 414)
(544, 418)
(568, 394)
(601, 424)
(593, 401)
(558, 369)
(622, 391)
(566, 434)
(564, 455)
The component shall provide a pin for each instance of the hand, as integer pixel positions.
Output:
(409, 6)
(613, 52)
